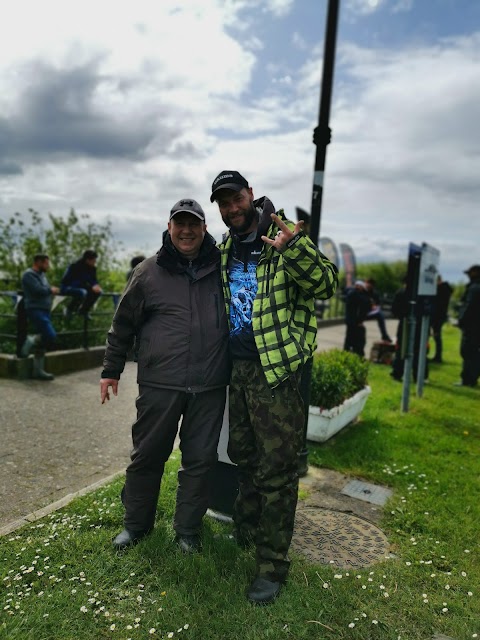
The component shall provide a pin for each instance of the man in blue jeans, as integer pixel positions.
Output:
(37, 294)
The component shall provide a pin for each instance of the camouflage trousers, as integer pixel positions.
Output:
(265, 440)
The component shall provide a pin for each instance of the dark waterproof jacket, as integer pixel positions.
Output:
(469, 314)
(176, 310)
(357, 307)
(80, 274)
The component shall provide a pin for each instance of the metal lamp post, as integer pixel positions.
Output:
(321, 138)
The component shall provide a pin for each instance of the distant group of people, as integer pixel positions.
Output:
(79, 282)
(468, 323)
(362, 302)
(205, 316)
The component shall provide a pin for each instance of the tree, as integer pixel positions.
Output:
(388, 276)
(63, 239)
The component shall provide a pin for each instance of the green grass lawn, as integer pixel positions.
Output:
(62, 580)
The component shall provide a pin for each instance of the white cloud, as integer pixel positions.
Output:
(406, 152)
(363, 7)
(402, 5)
(280, 7)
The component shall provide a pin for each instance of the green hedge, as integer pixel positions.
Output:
(336, 376)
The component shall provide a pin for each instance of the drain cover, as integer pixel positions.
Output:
(368, 492)
(332, 537)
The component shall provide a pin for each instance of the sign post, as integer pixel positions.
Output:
(423, 262)
(427, 289)
(410, 322)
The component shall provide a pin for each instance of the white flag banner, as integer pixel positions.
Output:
(427, 278)
(56, 301)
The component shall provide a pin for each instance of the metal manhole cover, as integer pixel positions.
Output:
(332, 537)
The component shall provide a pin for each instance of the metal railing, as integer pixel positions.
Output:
(81, 330)
(78, 331)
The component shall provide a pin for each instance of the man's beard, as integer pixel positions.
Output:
(250, 215)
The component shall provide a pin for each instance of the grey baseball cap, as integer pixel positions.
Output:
(188, 205)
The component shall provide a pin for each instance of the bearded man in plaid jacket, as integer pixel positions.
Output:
(271, 273)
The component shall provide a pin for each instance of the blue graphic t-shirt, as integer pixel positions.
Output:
(242, 275)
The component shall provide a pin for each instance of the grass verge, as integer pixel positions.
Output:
(61, 579)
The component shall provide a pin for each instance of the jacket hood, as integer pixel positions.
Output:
(265, 208)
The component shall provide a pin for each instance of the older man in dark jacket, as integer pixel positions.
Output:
(173, 303)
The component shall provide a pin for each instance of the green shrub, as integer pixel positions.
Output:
(336, 376)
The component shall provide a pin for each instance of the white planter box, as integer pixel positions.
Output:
(324, 423)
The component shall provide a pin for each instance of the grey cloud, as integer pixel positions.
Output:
(8, 168)
(57, 113)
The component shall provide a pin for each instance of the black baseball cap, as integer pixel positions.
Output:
(475, 268)
(228, 180)
(188, 205)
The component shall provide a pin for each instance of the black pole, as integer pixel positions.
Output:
(321, 138)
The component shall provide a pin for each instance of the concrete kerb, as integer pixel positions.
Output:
(56, 362)
(55, 506)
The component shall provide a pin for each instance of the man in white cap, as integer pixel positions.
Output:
(173, 304)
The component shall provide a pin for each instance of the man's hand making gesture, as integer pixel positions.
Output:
(284, 235)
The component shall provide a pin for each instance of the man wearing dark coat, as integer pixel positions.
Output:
(440, 315)
(469, 323)
(357, 308)
(173, 303)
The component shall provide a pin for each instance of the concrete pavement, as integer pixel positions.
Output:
(57, 439)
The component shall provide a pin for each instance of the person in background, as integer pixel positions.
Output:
(469, 323)
(174, 302)
(440, 315)
(376, 309)
(357, 307)
(271, 274)
(37, 298)
(80, 282)
(133, 263)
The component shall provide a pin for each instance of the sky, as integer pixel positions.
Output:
(120, 109)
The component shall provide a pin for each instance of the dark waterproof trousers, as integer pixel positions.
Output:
(265, 441)
(355, 339)
(470, 352)
(153, 433)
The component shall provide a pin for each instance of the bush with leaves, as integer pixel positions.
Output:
(63, 239)
(336, 376)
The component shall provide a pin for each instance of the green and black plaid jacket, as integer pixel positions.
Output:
(284, 322)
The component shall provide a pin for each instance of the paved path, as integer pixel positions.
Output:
(58, 439)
